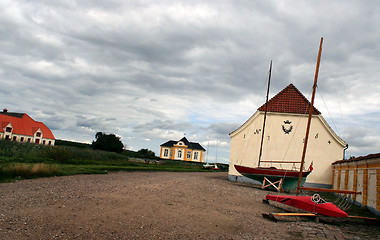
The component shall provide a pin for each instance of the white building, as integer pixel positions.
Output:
(22, 128)
(287, 116)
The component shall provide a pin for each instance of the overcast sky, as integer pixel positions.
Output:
(152, 71)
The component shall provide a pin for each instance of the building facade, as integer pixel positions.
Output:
(22, 128)
(287, 115)
(361, 174)
(182, 150)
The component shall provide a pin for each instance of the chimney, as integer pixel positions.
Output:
(5, 110)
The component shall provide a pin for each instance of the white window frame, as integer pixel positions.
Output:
(166, 152)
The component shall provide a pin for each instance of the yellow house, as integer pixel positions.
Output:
(182, 150)
(285, 129)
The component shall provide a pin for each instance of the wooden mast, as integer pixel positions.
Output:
(265, 114)
(311, 109)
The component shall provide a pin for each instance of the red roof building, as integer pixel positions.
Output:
(282, 142)
(22, 128)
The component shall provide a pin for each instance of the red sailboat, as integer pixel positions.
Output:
(315, 205)
(285, 179)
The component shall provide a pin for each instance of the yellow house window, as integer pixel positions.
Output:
(166, 152)
(188, 155)
(196, 156)
(179, 154)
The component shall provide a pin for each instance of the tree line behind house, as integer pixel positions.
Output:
(28, 160)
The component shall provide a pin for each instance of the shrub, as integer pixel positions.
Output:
(59, 154)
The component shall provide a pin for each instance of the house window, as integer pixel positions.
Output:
(171, 152)
(7, 137)
(14, 138)
(179, 154)
(38, 134)
(49, 142)
(166, 152)
(37, 140)
(188, 155)
(29, 139)
(21, 139)
(44, 142)
(8, 129)
(196, 156)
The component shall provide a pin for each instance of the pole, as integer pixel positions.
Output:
(311, 109)
(265, 114)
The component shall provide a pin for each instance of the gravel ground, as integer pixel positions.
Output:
(153, 205)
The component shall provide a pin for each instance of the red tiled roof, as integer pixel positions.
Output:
(24, 125)
(289, 100)
(369, 156)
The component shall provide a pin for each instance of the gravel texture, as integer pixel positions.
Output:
(153, 205)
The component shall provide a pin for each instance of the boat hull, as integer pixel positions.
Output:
(290, 177)
(305, 203)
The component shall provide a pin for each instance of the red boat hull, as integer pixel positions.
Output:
(270, 171)
(305, 203)
(289, 177)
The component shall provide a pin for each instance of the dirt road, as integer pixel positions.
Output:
(151, 205)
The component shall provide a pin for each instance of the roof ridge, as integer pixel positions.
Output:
(289, 100)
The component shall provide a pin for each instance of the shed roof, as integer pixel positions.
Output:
(357, 159)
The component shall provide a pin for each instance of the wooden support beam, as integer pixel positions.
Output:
(279, 161)
(272, 216)
(294, 214)
(279, 182)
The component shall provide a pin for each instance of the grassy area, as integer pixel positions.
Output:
(26, 160)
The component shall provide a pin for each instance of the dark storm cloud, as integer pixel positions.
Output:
(159, 69)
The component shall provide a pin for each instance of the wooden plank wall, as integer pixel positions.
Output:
(346, 177)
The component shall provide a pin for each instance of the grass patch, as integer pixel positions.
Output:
(28, 170)
(26, 160)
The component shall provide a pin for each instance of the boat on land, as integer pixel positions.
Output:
(278, 178)
(313, 204)
(289, 177)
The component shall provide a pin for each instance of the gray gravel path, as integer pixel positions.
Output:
(152, 205)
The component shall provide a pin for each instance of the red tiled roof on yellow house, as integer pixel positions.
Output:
(22, 128)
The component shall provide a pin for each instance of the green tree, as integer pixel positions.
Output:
(146, 153)
(107, 142)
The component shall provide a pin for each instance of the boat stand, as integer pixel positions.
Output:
(273, 184)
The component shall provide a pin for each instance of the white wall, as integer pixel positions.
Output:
(324, 146)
